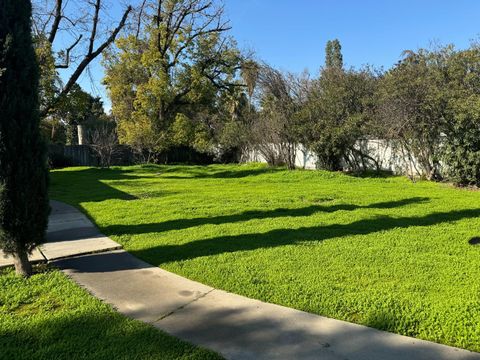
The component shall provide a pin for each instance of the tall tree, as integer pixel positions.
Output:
(178, 62)
(337, 115)
(333, 54)
(23, 173)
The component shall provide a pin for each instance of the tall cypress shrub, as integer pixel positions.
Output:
(23, 173)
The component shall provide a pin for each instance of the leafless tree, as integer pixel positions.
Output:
(274, 133)
(85, 24)
(104, 143)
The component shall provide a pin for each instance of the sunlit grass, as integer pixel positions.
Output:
(383, 252)
(49, 317)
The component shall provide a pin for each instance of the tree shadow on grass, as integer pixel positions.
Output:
(88, 185)
(179, 224)
(75, 187)
(96, 336)
(207, 172)
(281, 237)
(372, 174)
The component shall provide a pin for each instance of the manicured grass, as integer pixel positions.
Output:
(384, 252)
(49, 317)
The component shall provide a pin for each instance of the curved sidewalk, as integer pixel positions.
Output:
(232, 325)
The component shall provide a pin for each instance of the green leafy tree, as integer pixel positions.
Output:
(75, 108)
(183, 131)
(23, 173)
(49, 82)
(410, 108)
(429, 104)
(80, 108)
(333, 54)
(337, 112)
(231, 123)
(179, 61)
(461, 129)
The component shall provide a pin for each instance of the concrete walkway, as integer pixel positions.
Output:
(69, 233)
(234, 326)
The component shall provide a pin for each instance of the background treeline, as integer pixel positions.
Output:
(426, 106)
(177, 79)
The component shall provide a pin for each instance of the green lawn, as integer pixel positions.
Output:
(49, 317)
(383, 252)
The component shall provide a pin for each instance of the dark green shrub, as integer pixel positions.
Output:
(23, 173)
(59, 161)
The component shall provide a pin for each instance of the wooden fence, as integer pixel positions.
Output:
(83, 155)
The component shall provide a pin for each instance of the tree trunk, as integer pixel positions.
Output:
(82, 138)
(52, 136)
(22, 264)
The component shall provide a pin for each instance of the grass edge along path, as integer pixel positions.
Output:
(49, 317)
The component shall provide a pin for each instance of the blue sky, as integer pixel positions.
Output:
(291, 34)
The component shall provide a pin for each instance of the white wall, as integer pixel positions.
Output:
(389, 157)
(304, 159)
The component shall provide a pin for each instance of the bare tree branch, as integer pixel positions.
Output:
(56, 22)
(91, 54)
(66, 64)
(139, 21)
(94, 27)
(104, 143)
